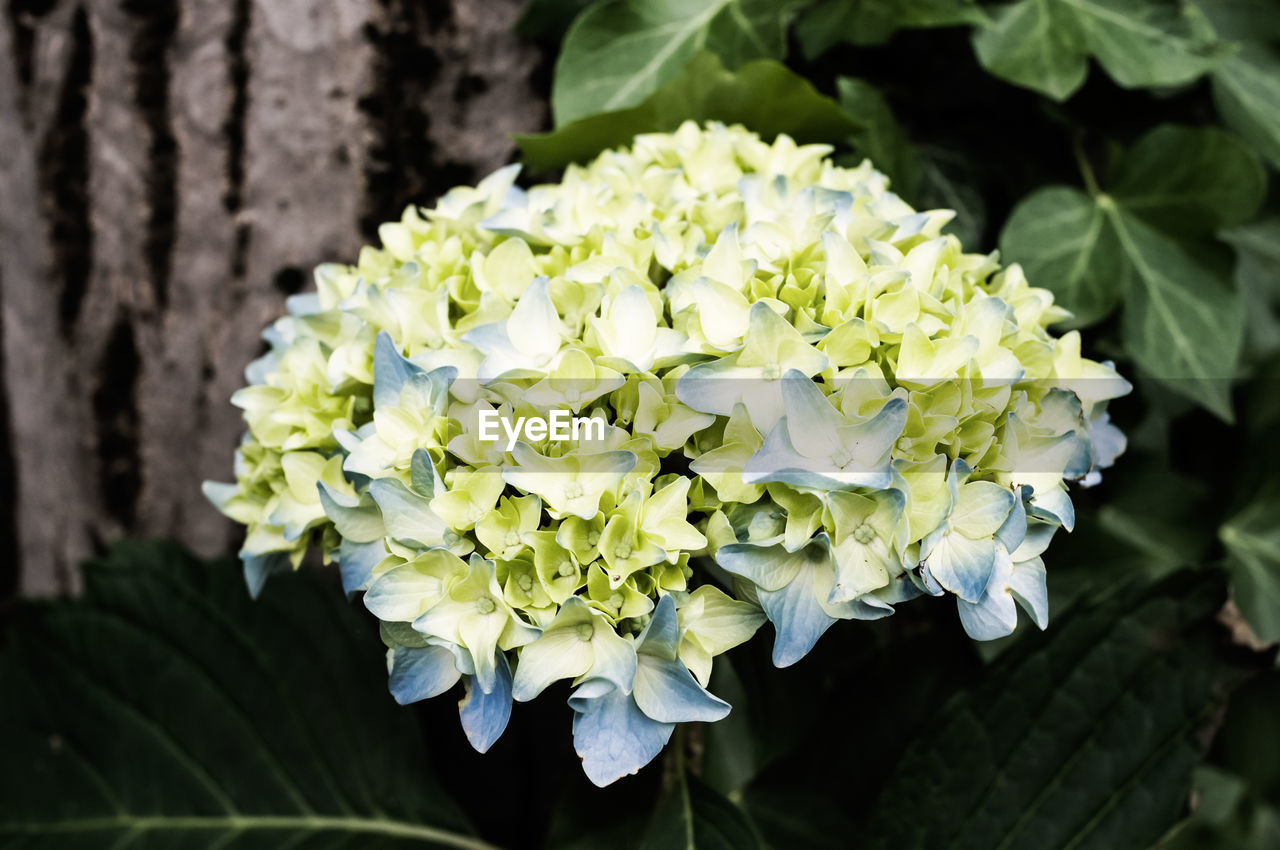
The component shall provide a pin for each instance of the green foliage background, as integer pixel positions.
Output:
(1124, 151)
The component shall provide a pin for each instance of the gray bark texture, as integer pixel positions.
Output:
(170, 171)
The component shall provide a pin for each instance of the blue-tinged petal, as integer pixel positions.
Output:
(797, 617)
(422, 475)
(961, 565)
(994, 617)
(406, 515)
(615, 658)
(390, 371)
(667, 692)
(1028, 587)
(1055, 506)
(356, 562)
(899, 589)
(259, 568)
(219, 493)
(718, 386)
(1014, 529)
(304, 304)
(1108, 441)
(484, 715)
(357, 519)
(812, 422)
(1039, 534)
(420, 672)
(661, 637)
(768, 567)
(614, 738)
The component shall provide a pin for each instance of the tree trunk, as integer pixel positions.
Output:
(171, 170)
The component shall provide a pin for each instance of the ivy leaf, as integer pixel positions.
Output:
(1252, 538)
(165, 708)
(1045, 45)
(880, 138)
(1064, 242)
(1189, 181)
(1246, 89)
(1082, 736)
(763, 95)
(1036, 44)
(1182, 325)
(618, 53)
(693, 817)
(923, 177)
(1258, 279)
(870, 22)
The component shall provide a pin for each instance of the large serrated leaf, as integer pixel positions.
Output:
(1045, 45)
(1082, 737)
(763, 95)
(167, 709)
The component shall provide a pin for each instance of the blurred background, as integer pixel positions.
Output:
(172, 170)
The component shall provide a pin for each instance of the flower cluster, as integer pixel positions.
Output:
(817, 405)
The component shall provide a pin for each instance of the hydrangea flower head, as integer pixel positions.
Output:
(793, 399)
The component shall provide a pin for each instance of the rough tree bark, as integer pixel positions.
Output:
(170, 170)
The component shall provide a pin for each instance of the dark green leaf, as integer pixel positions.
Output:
(945, 185)
(1246, 88)
(1228, 817)
(1247, 743)
(1037, 44)
(1045, 44)
(1189, 181)
(1181, 324)
(866, 22)
(693, 817)
(1242, 20)
(165, 708)
(1258, 279)
(880, 137)
(1084, 736)
(549, 18)
(1252, 537)
(763, 95)
(618, 53)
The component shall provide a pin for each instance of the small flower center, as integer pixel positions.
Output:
(513, 539)
(593, 537)
(572, 490)
(840, 458)
(771, 371)
(526, 583)
(565, 569)
(864, 534)
(615, 601)
(622, 552)
(485, 605)
(585, 631)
